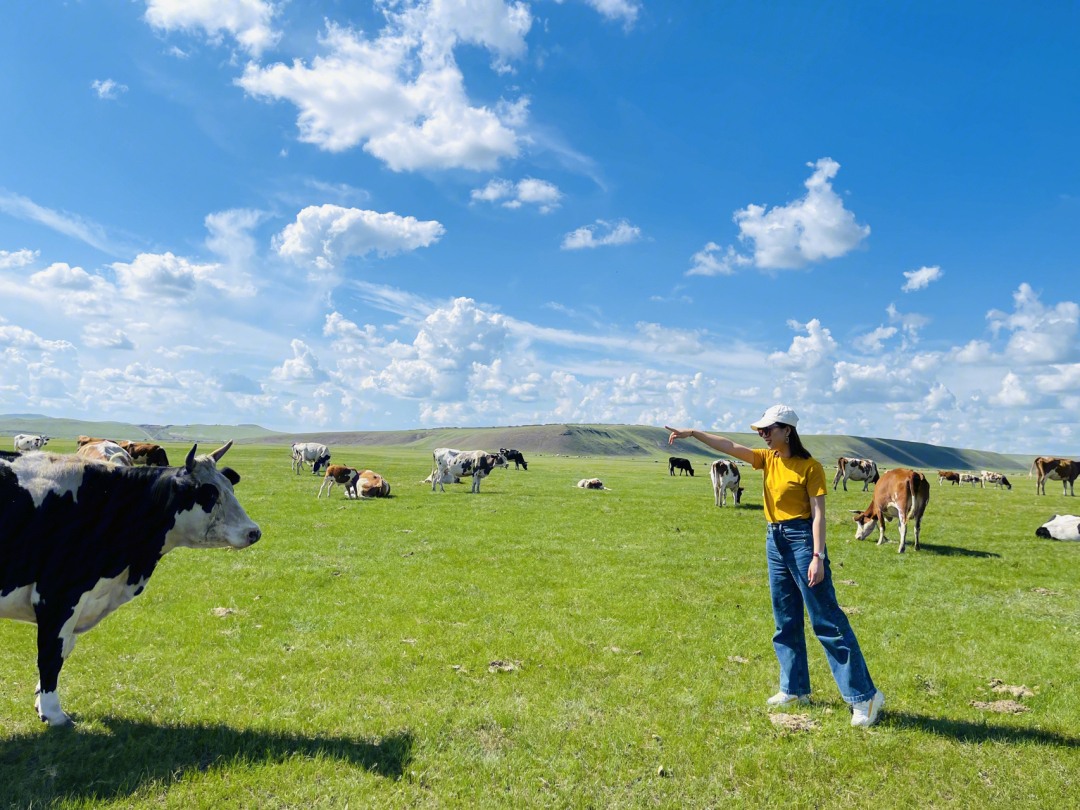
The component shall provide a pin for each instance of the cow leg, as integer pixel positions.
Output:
(918, 526)
(836, 479)
(476, 483)
(881, 531)
(323, 484)
(56, 640)
(903, 536)
(865, 484)
(845, 482)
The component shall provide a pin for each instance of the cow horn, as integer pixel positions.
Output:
(189, 462)
(217, 454)
(855, 511)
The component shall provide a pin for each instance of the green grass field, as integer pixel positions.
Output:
(354, 667)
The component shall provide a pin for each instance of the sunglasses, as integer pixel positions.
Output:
(765, 431)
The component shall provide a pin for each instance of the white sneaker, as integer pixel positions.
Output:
(784, 699)
(865, 713)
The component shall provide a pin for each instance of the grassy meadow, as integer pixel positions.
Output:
(347, 659)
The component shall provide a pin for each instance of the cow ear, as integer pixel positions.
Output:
(189, 462)
(217, 454)
(231, 474)
(855, 511)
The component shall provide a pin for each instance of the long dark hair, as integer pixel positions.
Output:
(795, 444)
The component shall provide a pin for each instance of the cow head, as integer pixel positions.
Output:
(738, 494)
(865, 524)
(44, 441)
(1005, 482)
(500, 460)
(209, 515)
(321, 463)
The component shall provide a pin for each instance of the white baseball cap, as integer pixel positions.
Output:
(777, 413)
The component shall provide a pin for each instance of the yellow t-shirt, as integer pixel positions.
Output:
(789, 484)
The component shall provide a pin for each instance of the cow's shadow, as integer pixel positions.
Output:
(967, 732)
(79, 763)
(954, 551)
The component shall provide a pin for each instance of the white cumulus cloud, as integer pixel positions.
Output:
(602, 233)
(911, 322)
(807, 230)
(16, 258)
(805, 352)
(247, 21)
(920, 279)
(541, 193)
(713, 260)
(625, 10)
(302, 367)
(105, 336)
(107, 88)
(164, 278)
(873, 341)
(402, 94)
(325, 235)
(1040, 334)
(1012, 392)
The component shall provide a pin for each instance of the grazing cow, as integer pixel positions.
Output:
(79, 539)
(856, 469)
(104, 450)
(948, 475)
(680, 464)
(995, 479)
(514, 456)
(373, 485)
(317, 455)
(340, 474)
(900, 494)
(591, 483)
(1060, 527)
(464, 463)
(968, 478)
(24, 442)
(1055, 469)
(725, 475)
(152, 455)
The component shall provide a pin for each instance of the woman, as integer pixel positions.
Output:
(799, 572)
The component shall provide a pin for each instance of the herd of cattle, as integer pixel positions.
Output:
(83, 533)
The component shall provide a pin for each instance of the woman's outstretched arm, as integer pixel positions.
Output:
(715, 442)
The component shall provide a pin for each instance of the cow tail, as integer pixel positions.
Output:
(1036, 461)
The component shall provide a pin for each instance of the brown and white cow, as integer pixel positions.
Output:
(856, 469)
(340, 474)
(373, 485)
(969, 478)
(107, 451)
(590, 483)
(1055, 469)
(948, 475)
(725, 475)
(901, 495)
(995, 479)
(81, 441)
(152, 455)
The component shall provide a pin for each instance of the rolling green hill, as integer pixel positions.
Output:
(567, 440)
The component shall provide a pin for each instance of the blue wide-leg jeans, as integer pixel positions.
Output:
(790, 547)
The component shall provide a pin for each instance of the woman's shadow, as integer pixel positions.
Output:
(74, 763)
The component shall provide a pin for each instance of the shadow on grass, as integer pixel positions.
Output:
(954, 551)
(963, 731)
(79, 763)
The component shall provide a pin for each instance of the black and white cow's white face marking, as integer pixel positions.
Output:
(215, 519)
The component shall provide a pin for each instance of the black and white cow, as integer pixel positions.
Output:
(80, 538)
(514, 456)
(317, 455)
(462, 463)
(856, 469)
(680, 464)
(1060, 527)
(25, 442)
(725, 476)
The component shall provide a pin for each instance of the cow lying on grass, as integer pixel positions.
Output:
(1060, 527)
(78, 539)
(591, 483)
(152, 455)
(107, 451)
(900, 494)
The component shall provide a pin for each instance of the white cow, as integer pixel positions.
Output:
(996, 479)
(462, 463)
(317, 455)
(725, 475)
(968, 478)
(25, 442)
(1060, 527)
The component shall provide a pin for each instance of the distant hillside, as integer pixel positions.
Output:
(13, 424)
(640, 440)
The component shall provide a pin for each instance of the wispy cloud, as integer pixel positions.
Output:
(62, 222)
(108, 88)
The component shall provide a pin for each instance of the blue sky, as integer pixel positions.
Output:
(327, 215)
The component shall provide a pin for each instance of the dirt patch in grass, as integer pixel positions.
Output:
(222, 612)
(738, 659)
(793, 722)
(1001, 706)
(1045, 592)
(851, 611)
(850, 582)
(1002, 688)
(504, 666)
